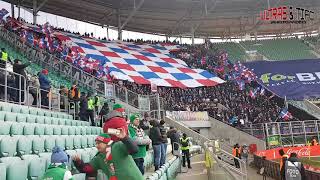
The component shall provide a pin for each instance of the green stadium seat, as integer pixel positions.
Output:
(69, 142)
(12, 165)
(68, 122)
(80, 176)
(48, 120)
(83, 130)
(48, 113)
(40, 119)
(71, 153)
(49, 143)
(8, 146)
(85, 157)
(61, 141)
(60, 115)
(77, 142)
(88, 130)
(55, 114)
(72, 130)
(46, 157)
(32, 119)
(57, 130)
(39, 129)
(22, 117)
(37, 145)
(84, 142)
(78, 131)
(73, 123)
(6, 107)
(33, 111)
(16, 129)
(24, 110)
(16, 109)
(70, 117)
(55, 121)
(93, 130)
(62, 122)
(10, 117)
(5, 127)
(40, 112)
(24, 145)
(36, 166)
(3, 170)
(91, 141)
(28, 129)
(78, 123)
(48, 130)
(2, 115)
(64, 130)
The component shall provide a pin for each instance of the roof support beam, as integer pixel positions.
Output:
(135, 10)
(34, 12)
(41, 5)
(119, 25)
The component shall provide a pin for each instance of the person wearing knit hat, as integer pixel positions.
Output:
(45, 86)
(58, 168)
(115, 120)
(141, 139)
(113, 158)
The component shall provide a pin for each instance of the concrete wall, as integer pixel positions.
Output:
(223, 131)
(205, 132)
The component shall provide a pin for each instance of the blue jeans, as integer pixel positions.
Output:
(139, 162)
(156, 156)
(163, 154)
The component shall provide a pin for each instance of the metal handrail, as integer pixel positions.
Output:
(208, 144)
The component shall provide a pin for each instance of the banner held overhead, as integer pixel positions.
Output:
(295, 79)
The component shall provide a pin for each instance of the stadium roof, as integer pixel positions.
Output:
(208, 18)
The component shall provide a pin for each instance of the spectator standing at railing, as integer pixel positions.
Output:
(90, 109)
(4, 58)
(34, 87)
(156, 138)
(293, 169)
(64, 98)
(19, 68)
(174, 138)
(83, 115)
(141, 139)
(74, 96)
(164, 137)
(103, 112)
(45, 86)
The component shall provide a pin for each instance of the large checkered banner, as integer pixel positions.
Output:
(140, 63)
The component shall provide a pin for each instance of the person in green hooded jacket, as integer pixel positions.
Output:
(138, 136)
(58, 168)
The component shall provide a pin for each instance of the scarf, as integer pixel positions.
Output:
(111, 167)
(139, 131)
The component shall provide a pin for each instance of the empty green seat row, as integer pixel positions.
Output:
(23, 145)
(18, 128)
(9, 107)
(29, 118)
(34, 166)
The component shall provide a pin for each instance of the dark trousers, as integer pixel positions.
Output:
(186, 155)
(236, 163)
(83, 115)
(91, 116)
(139, 162)
(19, 87)
(44, 98)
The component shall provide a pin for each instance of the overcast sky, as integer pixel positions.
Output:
(78, 26)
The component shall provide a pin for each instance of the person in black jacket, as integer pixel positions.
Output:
(163, 132)
(156, 139)
(174, 138)
(83, 115)
(19, 68)
(103, 112)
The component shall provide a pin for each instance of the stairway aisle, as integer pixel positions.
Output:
(198, 171)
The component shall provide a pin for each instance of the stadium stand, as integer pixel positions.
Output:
(280, 49)
(235, 51)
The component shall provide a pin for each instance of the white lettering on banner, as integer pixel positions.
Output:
(188, 115)
(300, 152)
(306, 77)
